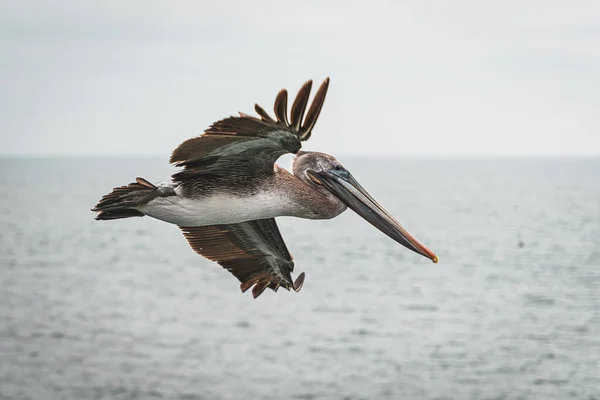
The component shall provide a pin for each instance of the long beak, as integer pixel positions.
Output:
(343, 185)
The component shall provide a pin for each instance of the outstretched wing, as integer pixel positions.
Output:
(237, 142)
(253, 251)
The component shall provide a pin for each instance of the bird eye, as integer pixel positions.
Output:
(338, 167)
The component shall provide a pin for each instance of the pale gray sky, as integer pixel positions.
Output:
(407, 77)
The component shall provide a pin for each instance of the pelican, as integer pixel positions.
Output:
(230, 189)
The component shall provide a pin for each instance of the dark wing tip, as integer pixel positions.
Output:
(314, 111)
(280, 107)
(263, 114)
(299, 106)
(259, 288)
(299, 282)
(145, 183)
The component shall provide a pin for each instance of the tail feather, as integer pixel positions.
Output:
(120, 202)
(118, 214)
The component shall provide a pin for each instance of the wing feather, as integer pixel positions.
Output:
(263, 114)
(253, 251)
(299, 106)
(243, 137)
(314, 111)
(280, 107)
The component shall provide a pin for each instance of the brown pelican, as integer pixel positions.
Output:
(230, 190)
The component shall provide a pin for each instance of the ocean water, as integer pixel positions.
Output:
(126, 310)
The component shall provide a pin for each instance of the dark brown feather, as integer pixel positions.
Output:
(118, 214)
(144, 182)
(253, 251)
(199, 147)
(299, 105)
(299, 282)
(259, 288)
(314, 111)
(245, 147)
(280, 107)
(263, 114)
(127, 196)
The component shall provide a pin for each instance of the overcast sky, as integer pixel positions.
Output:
(407, 77)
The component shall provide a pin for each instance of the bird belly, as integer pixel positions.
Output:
(216, 209)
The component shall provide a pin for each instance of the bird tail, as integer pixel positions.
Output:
(121, 202)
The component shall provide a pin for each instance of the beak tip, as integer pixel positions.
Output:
(435, 259)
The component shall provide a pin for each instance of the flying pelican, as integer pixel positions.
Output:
(226, 197)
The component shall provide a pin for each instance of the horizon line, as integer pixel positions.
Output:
(354, 155)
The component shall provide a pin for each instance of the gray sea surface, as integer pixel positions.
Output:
(126, 310)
